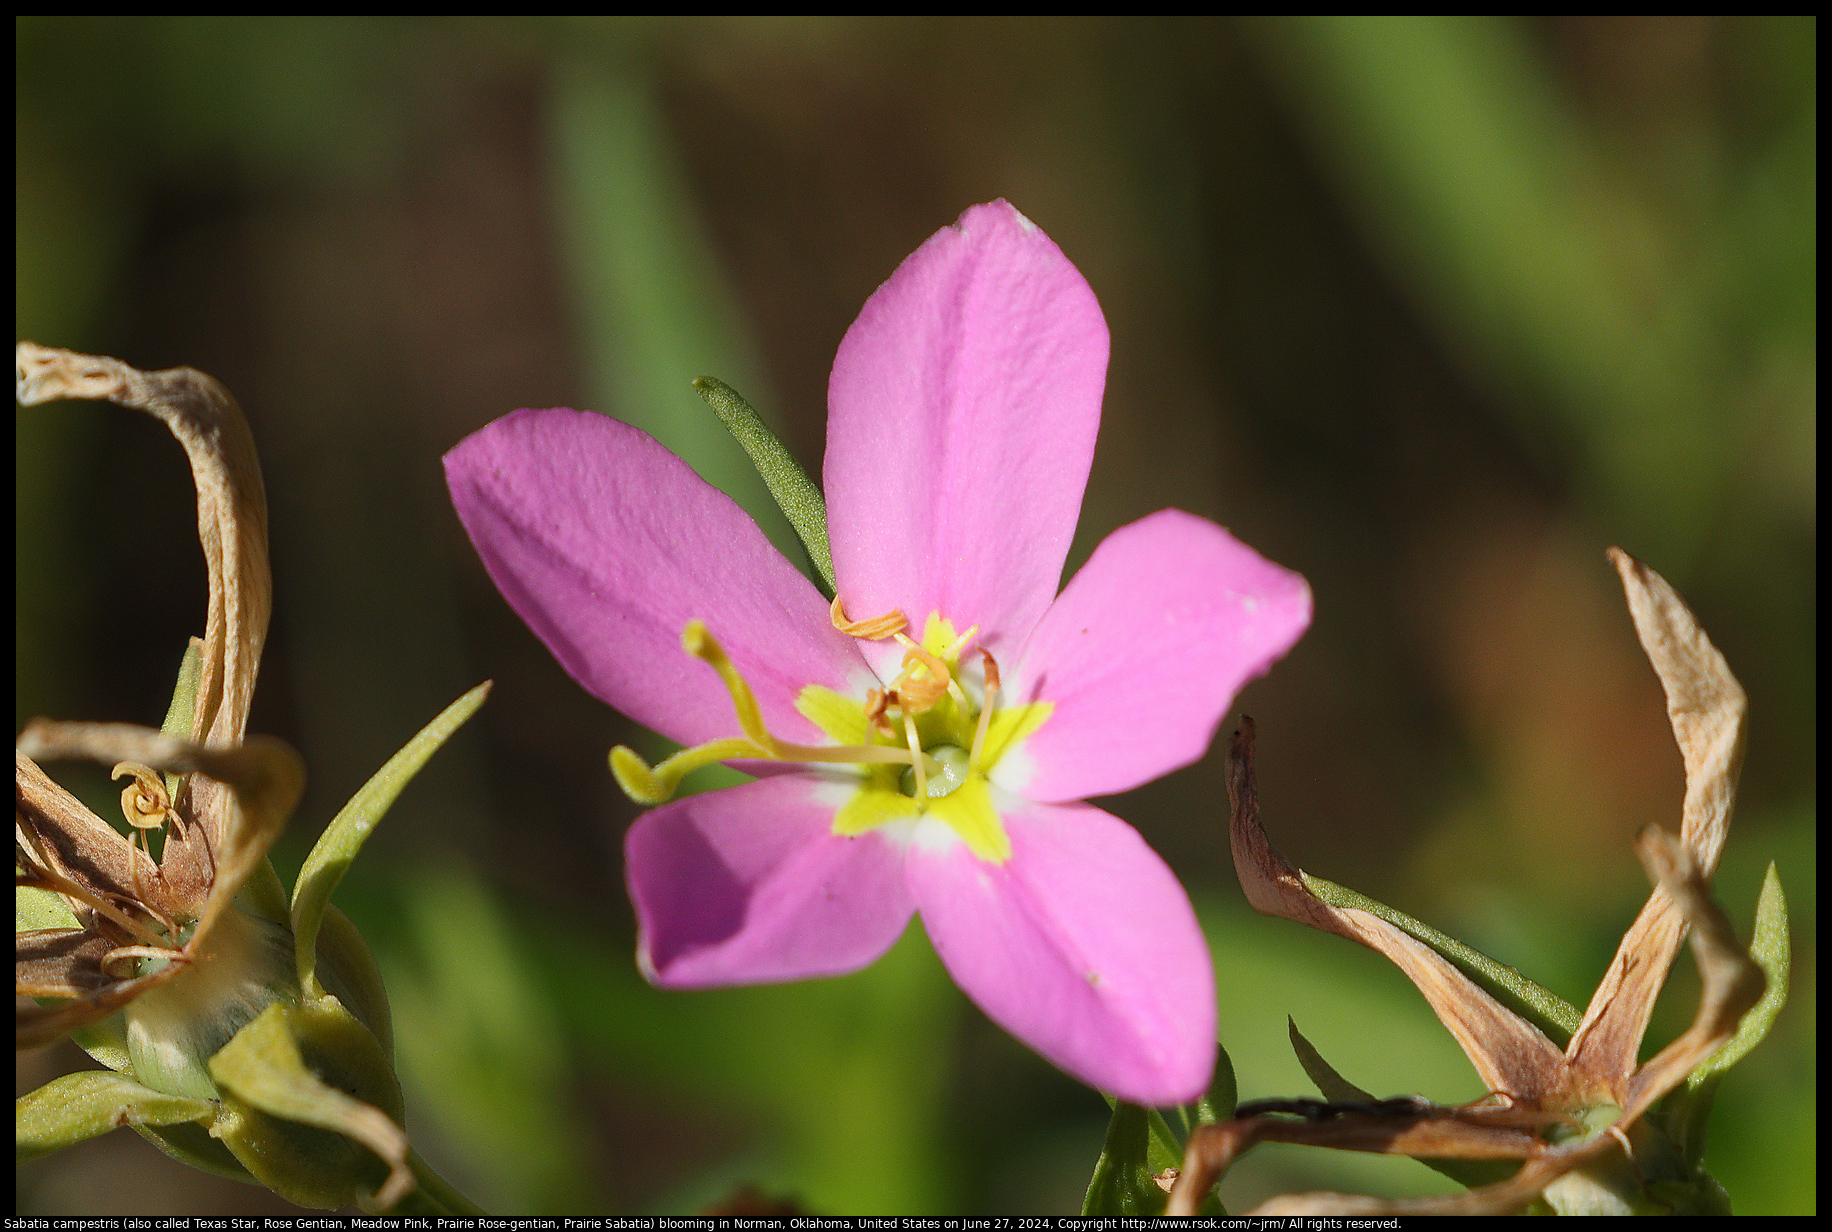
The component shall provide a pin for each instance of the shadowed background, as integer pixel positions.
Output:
(1431, 311)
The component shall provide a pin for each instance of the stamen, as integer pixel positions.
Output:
(656, 786)
(876, 629)
(877, 701)
(652, 786)
(918, 693)
(45, 874)
(143, 801)
(990, 692)
(922, 778)
(124, 952)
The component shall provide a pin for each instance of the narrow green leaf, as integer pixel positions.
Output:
(798, 496)
(343, 838)
(1771, 949)
(1333, 1086)
(1217, 1103)
(184, 703)
(1688, 1110)
(1553, 1015)
(77, 1107)
(1163, 1150)
(1122, 1184)
(184, 696)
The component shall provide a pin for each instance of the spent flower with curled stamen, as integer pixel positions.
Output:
(1597, 1131)
(245, 1034)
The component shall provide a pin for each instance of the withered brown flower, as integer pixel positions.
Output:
(1576, 1117)
(246, 1034)
(139, 925)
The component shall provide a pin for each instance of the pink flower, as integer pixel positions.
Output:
(962, 413)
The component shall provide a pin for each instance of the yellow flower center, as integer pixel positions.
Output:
(923, 745)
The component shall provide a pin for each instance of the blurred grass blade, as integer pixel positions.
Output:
(478, 1040)
(653, 303)
(1531, 249)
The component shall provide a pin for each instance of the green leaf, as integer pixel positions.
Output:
(77, 1107)
(1552, 1014)
(343, 838)
(1772, 952)
(178, 715)
(1122, 1184)
(1333, 1086)
(1217, 1103)
(797, 495)
(1688, 1110)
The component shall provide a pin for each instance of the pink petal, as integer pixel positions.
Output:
(750, 885)
(607, 545)
(1082, 945)
(961, 421)
(1143, 653)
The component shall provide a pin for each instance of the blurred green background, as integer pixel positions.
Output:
(1432, 311)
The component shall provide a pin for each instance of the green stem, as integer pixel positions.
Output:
(433, 1195)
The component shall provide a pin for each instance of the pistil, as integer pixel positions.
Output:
(652, 786)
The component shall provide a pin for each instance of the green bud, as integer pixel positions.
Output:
(1122, 1183)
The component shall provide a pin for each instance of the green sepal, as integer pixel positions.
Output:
(77, 1107)
(1330, 1084)
(343, 838)
(191, 1144)
(1122, 1183)
(797, 495)
(35, 908)
(1217, 1103)
(311, 1106)
(1552, 1014)
(106, 1041)
(1688, 1110)
(179, 715)
(347, 970)
(1472, 1173)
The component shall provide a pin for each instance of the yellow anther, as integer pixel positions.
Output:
(877, 701)
(875, 629)
(143, 801)
(655, 785)
(919, 693)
